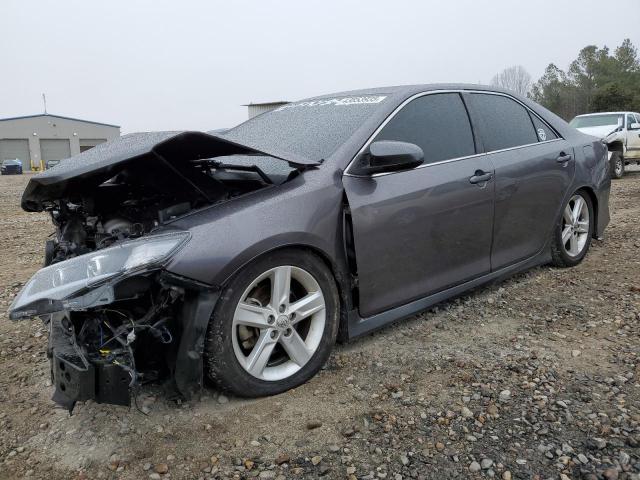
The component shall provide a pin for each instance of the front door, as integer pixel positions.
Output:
(420, 231)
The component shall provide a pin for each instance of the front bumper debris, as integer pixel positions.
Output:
(75, 378)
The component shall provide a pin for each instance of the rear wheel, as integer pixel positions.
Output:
(274, 325)
(572, 236)
(617, 165)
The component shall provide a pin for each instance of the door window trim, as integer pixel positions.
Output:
(425, 165)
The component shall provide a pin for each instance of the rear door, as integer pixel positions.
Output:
(534, 168)
(420, 231)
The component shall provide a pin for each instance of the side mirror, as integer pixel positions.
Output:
(634, 126)
(391, 156)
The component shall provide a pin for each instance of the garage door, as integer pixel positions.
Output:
(11, 149)
(89, 143)
(54, 149)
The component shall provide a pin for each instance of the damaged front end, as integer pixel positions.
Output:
(117, 318)
(149, 334)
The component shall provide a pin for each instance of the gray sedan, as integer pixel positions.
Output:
(243, 256)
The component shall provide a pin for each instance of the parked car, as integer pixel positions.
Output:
(51, 163)
(619, 130)
(11, 167)
(243, 256)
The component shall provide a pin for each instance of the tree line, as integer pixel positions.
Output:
(598, 80)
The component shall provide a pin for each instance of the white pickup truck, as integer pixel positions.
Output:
(619, 130)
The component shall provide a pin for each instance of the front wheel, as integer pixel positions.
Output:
(274, 325)
(572, 235)
(617, 165)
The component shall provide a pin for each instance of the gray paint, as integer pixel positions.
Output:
(154, 150)
(426, 229)
(35, 128)
(420, 236)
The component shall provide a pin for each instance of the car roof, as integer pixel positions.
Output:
(413, 89)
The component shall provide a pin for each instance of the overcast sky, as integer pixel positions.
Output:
(191, 64)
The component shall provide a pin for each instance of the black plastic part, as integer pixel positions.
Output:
(75, 378)
(173, 211)
(196, 312)
(113, 385)
(49, 252)
(390, 156)
(101, 382)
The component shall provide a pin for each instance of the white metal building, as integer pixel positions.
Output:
(35, 139)
(254, 109)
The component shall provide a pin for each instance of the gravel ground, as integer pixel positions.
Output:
(534, 378)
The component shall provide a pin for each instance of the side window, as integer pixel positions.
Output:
(437, 123)
(630, 119)
(542, 129)
(504, 122)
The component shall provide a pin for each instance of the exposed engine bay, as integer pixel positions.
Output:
(128, 206)
(116, 318)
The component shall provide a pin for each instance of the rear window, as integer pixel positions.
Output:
(544, 132)
(313, 129)
(504, 123)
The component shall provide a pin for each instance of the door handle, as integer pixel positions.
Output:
(563, 158)
(480, 177)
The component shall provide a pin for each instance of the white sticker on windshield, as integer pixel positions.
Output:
(340, 101)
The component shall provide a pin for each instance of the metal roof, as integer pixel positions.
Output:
(264, 104)
(58, 116)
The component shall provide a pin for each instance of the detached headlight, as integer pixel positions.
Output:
(61, 280)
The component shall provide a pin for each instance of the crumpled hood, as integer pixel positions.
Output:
(599, 132)
(149, 150)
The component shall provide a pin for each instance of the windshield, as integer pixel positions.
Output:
(612, 119)
(313, 129)
(6, 163)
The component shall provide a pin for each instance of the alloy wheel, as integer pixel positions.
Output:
(278, 323)
(575, 226)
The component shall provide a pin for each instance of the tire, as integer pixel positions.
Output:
(617, 165)
(229, 343)
(564, 252)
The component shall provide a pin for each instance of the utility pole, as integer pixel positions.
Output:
(44, 100)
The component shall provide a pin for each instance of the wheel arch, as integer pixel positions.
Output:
(337, 267)
(616, 146)
(594, 202)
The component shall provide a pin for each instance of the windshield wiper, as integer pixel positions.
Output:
(242, 168)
